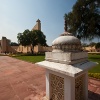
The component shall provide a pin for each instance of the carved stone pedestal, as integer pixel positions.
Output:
(66, 82)
(66, 70)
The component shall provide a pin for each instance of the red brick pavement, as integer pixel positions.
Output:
(20, 80)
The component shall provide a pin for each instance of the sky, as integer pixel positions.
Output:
(18, 15)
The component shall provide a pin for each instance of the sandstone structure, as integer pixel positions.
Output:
(38, 48)
(5, 44)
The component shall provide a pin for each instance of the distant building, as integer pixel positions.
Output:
(38, 48)
(91, 49)
(5, 44)
(37, 26)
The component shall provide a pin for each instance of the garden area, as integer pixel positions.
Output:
(30, 58)
(95, 58)
(94, 72)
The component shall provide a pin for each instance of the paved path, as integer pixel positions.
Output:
(21, 80)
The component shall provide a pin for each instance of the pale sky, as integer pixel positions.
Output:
(18, 15)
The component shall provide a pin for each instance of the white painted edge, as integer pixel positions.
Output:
(70, 70)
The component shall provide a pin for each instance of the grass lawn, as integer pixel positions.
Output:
(92, 57)
(95, 58)
(33, 59)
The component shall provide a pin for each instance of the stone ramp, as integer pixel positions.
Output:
(20, 80)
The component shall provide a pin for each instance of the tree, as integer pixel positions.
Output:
(84, 45)
(84, 19)
(14, 44)
(97, 45)
(32, 38)
(92, 44)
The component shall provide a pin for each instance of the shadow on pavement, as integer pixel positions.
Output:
(93, 96)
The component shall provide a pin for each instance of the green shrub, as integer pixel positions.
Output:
(94, 75)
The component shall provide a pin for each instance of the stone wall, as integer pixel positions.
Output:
(91, 49)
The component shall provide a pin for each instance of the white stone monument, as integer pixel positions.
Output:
(66, 69)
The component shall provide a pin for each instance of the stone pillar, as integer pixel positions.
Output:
(37, 26)
(4, 44)
(66, 69)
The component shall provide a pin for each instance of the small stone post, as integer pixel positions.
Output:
(66, 69)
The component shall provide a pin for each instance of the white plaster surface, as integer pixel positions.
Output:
(67, 58)
(47, 85)
(66, 39)
(70, 70)
(69, 85)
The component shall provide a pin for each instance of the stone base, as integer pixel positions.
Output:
(66, 58)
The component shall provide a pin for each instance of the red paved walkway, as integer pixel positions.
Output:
(21, 80)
